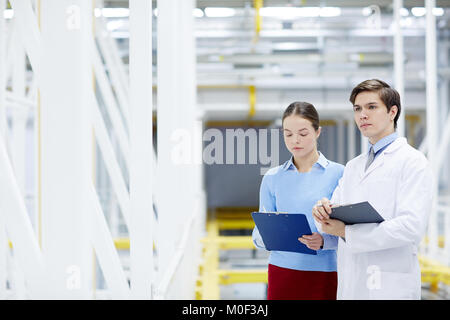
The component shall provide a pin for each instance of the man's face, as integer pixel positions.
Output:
(372, 117)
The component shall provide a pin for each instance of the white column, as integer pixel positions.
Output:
(66, 130)
(19, 115)
(351, 149)
(3, 256)
(27, 27)
(431, 109)
(168, 113)
(399, 64)
(340, 141)
(3, 68)
(17, 145)
(444, 116)
(364, 144)
(17, 280)
(3, 239)
(141, 146)
(331, 142)
(179, 145)
(19, 229)
(191, 172)
(444, 98)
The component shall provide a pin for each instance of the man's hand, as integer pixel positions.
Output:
(322, 210)
(313, 242)
(334, 227)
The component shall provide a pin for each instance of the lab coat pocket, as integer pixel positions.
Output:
(399, 260)
(393, 286)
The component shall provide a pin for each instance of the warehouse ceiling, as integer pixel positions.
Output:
(309, 55)
(352, 44)
(307, 3)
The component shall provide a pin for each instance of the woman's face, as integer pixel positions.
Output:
(299, 135)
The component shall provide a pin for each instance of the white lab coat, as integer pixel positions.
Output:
(379, 261)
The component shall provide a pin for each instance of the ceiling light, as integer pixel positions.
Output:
(308, 12)
(8, 13)
(290, 12)
(330, 12)
(438, 12)
(367, 11)
(421, 11)
(418, 11)
(198, 13)
(407, 22)
(404, 12)
(115, 12)
(114, 24)
(219, 12)
(97, 12)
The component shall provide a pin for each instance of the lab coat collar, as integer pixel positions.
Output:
(394, 146)
(397, 143)
(383, 142)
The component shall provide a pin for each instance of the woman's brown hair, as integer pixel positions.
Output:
(305, 110)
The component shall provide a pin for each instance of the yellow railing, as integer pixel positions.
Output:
(210, 276)
(434, 273)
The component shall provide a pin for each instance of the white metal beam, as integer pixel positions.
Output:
(16, 279)
(441, 153)
(340, 140)
(19, 115)
(351, 141)
(112, 166)
(66, 81)
(114, 51)
(432, 124)
(19, 228)
(141, 147)
(110, 102)
(115, 69)
(3, 239)
(168, 89)
(177, 257)
(106, 252)
(399, 64)
(179, 175)
(364, 144)
(27, 26)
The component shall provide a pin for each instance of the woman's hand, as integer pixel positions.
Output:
(313, 242)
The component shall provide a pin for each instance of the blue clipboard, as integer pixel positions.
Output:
(280, 231)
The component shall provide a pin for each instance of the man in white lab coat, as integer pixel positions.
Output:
(379, 260)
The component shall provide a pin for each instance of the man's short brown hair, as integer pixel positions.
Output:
(388, 95)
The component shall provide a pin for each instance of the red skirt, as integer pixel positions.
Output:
(288, 284)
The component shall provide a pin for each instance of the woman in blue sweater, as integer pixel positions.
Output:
(295, 187)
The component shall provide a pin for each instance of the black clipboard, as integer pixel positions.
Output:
(280, 231)
(361, 212)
